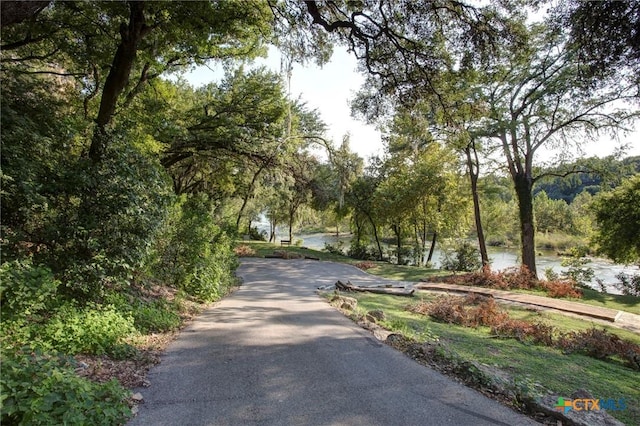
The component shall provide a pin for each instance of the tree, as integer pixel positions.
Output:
(135, 38)
(535, 101)
(618, 218)
(605, 33)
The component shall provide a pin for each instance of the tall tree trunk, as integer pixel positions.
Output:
(291, 216)
(248, 195)
(131, 34)
(473, 176)
(272, 231)
(433, 246)
(375, 235)
(523, 185)
(397, 231)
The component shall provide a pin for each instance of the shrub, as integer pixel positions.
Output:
(25, 289)
(193, 253)
(469, 311)
(361, 251)
(601, 344)
(365, 265)
(92, 329)
(44, 390)
(561, 288)
(155, 317)
(629, 284)
(510, 278)
(244, 251)
(464, 257)
(523, 331)
(338, 248)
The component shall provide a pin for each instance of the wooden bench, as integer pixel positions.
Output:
(285, 242)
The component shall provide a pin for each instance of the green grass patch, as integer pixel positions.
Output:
(536, 369)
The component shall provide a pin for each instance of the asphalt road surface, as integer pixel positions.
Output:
(274, 353)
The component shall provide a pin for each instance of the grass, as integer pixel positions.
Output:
(536, 369)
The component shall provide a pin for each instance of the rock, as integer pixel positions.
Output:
(137, 397)
(377, 314)
(344, 302)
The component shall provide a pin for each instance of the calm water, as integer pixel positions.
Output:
(501, 258)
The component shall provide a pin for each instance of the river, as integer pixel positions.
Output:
(501, 258)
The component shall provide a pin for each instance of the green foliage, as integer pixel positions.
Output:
(337, 248)
(26, 289)
(550, 215)
(92, 329)
(193, 253)
(618, 216)
(41, 389)
(577, 270)
(121, 203)
(629, 285)
(359, 250)
(463, 257)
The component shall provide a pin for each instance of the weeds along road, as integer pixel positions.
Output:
(274, 353)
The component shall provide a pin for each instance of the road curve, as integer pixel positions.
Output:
(274, 353)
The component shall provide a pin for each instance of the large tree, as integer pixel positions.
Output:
(114, 49)
(536, 100)
(618, 217)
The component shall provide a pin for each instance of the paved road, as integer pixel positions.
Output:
(274, 353)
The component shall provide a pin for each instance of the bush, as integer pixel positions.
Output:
(25, 289)
(155, 317)
(510, 278)
(524, 331)
(601, 344)
(193, 253)
(244, 251)
(561, 288)
(93, 329)
(468, 311)
(365, 265)
(338, 248)
(464, 257)
(361, 251)
(629, 284)
(44, 390)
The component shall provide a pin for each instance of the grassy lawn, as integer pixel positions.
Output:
(537, 370)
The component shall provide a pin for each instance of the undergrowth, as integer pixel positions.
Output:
(517, 278)
(475, 311)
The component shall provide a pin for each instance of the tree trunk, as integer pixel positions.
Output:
(473, 176)
(433, 246)
(523, 185)
(397, 231)
(131, 34)
(272, 231)
(248, 195)
(291, 215)
(375, 235)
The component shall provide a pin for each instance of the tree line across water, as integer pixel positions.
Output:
(121, 183)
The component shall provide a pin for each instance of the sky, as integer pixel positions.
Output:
(330, 87)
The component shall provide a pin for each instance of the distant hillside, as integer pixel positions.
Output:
(593, 175)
